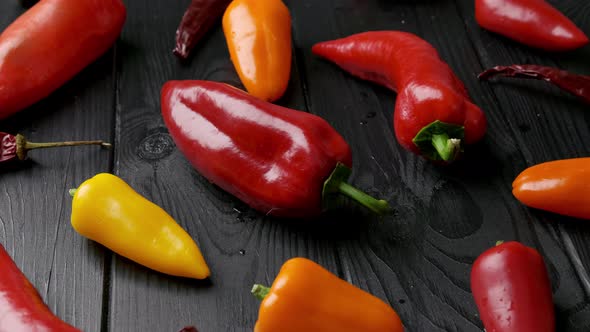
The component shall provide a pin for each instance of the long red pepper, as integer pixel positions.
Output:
(21, 307)
(16, 147)
(532, 22)
(512, 290)
(433, 113)
(199, 17)
(578, 85)
(50, 43)
(275, 159)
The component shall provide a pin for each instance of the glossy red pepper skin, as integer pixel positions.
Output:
(531, 22)
(21, 307)
(50, 43)
(512, 290)
(273, 158)
(427, 88)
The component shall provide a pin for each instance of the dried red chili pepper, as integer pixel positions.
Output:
(21, 307)
(512, 290)
(433, 113)
(275, 159)
(16, 147)
(50, 43)
(532, 22)
(578, 85)
(196, 21)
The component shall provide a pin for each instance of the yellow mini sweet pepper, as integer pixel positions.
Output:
(107, 210)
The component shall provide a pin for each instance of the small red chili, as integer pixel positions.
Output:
(199, 17)
(512, 290)
(433, 113)
(532, 22)
(578, 85)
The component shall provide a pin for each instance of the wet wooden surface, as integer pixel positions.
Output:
(417, 261)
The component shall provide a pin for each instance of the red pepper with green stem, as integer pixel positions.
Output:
(512, 290)
(532, 22)
(434, 116)
(50, 43)
(21, 307)
(279, 161)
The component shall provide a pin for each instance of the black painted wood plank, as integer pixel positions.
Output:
(469, 206)
(34, 202)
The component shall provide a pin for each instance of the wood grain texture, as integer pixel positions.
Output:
(66, 269)
(418, 260)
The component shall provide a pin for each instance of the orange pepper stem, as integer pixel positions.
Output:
(260, 291)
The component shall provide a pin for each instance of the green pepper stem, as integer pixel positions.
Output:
(446, 147)
(336, 185)
(260, 291)
(381, 207)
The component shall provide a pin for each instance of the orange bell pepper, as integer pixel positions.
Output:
(258, 35)
(561, 186)
(307, 297)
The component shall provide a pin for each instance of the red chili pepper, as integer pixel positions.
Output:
(512, 290)
(21, 307)
(578, 85)
(532, 22)
(433, 113)
(16, 147)
(50, 43)
(273, 158)
(200, 16)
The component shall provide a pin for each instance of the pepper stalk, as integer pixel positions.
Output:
(336, 184)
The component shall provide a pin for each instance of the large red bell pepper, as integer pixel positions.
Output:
(512, 290)
(21, 307)
(275, 159)
(433, 113)
(50, 43)
(532, 22)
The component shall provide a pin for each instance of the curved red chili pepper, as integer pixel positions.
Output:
(512, 290)
(21, 307)
(273, 158)
(50, 43)
(532, 22)
(433, 113)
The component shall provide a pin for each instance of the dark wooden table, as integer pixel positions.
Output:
(419, 261)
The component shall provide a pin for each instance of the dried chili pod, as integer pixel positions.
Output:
(16, 147)
(197, 20)
(578, 85)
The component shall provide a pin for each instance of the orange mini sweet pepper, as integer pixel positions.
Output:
(560, 186)
(258, 35)
(307, 297)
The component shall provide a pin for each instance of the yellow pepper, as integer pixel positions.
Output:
(107, 210)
